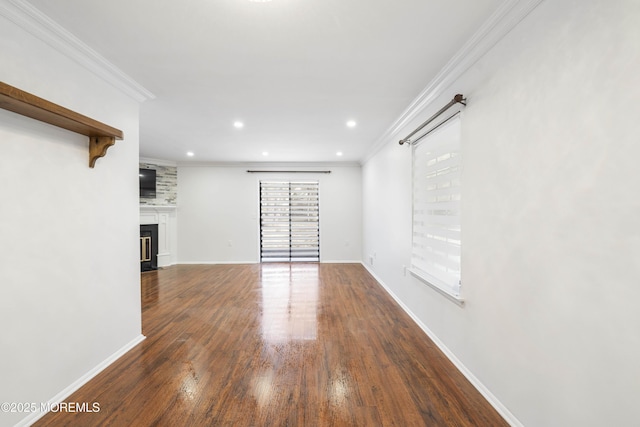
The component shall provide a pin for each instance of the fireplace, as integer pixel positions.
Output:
(148, 247)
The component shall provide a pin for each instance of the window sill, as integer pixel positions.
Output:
(442, 290)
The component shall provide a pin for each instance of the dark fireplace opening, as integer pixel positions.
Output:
(149, 247)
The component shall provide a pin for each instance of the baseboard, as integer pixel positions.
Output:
(215, 262)
(484, 391)
(164, 260)
(341, 261)
(258, 262)
(60, 397)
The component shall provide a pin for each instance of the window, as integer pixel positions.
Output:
(435, 255)
(289, 221)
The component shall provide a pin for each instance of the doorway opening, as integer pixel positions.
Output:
(289, 221)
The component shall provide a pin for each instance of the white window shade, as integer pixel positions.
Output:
(289, 221)
(435, 254)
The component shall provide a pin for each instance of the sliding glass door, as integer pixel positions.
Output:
(289, 221)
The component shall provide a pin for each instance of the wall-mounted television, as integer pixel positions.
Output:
(147, 182)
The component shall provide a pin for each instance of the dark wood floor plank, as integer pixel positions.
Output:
(277, 345)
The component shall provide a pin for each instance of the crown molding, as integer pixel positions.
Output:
(32, 20)
(268, 165)
(499, 24)
(157, 162)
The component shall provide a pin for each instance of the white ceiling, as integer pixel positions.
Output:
(294, 71)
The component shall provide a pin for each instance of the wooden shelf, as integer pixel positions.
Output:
(101, 136)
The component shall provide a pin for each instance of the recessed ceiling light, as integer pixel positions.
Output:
(190, 153)
(339, 153)
(265, 153)
(238, 124)
(351, 123)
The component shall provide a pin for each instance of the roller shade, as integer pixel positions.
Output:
(289, 221)
(436, 208)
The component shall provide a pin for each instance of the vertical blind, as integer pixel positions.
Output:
(435, 254)
(289, 221)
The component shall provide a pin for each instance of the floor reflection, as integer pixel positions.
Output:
(149, 287)
(289, 302)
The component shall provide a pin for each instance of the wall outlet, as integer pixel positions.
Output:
(229, 243)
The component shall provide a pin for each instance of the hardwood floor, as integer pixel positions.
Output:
(277, 345)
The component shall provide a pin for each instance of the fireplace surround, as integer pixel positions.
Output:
(148, 247)
(165, 218)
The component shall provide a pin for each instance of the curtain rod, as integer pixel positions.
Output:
(414, 142)
(458, 99)
(274, 171)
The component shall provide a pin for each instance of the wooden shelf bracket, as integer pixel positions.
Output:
(101, 136)
(98, 146)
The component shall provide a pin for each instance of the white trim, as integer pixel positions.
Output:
(157, 162)
(268, 165)
(164, 260)
(503, 20)
(215, 262)
(434, 283)
(340, 261)
(484, 391)
(32, 20)
(158, 208)
(257, 262)
(60, 397)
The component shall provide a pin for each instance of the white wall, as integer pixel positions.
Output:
(218, 213)
(69, 270)
(551, 218)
